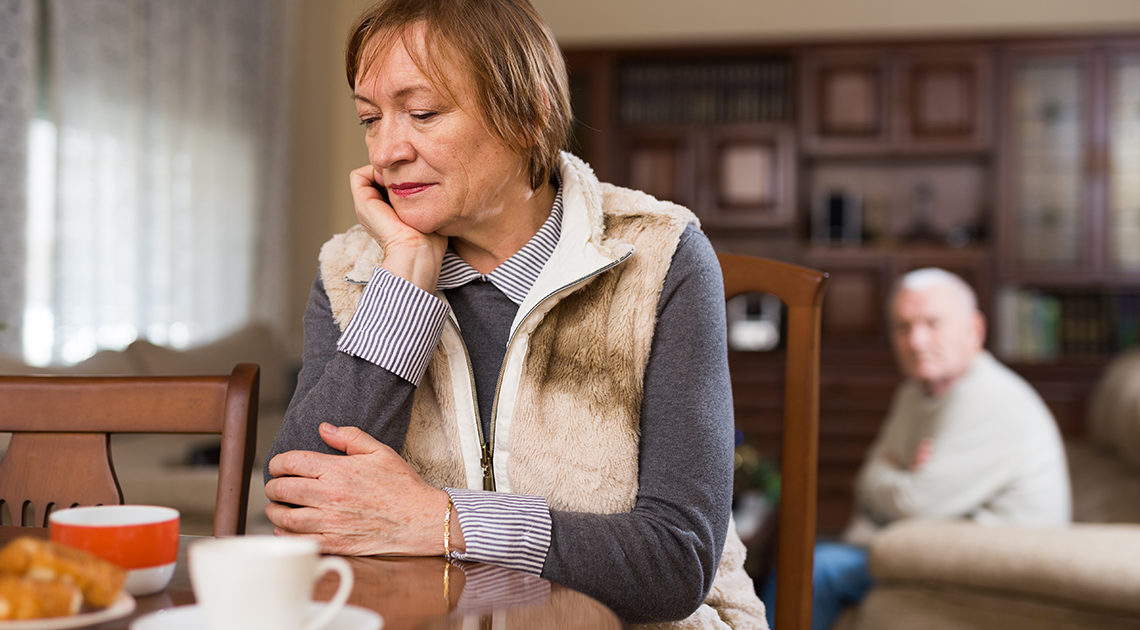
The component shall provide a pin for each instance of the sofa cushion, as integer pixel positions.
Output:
(1105, 488)
(906, 606)
(1089, 565)
(255, 343)
(1114, 408)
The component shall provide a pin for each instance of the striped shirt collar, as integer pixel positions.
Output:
(518, 273)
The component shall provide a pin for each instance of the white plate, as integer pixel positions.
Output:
(191, 618)
(123, 605)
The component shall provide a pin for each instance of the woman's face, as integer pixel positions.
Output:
(444, 170)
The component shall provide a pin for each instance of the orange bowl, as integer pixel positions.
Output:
(143, 539)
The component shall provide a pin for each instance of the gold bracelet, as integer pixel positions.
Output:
(447, 529)
(447, 583)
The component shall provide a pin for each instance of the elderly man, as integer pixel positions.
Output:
(965, 437)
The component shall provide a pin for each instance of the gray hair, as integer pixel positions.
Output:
(927, 277)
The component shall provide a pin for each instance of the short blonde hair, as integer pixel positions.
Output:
(516, 67)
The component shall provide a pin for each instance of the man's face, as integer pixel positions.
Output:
(936, 335)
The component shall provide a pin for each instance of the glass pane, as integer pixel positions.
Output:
(1124, 165)
(1048, 115)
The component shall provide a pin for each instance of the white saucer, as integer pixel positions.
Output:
(191, 618)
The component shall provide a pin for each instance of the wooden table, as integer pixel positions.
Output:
(409, 593)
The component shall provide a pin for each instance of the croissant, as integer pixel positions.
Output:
(26, 598)
(43, 560)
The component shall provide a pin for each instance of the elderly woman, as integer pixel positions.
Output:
(506, 360)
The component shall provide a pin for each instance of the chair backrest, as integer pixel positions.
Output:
(801, 290)
(61, 426)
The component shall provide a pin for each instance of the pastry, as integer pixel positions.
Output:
(36, 559)
(27, 598)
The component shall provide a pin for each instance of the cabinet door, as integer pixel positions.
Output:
(749, 178)
(943, 99)
(592, 82)
(1123, 197)
(661, 161)
(853, 313)
(1048, 206)
(844, 95)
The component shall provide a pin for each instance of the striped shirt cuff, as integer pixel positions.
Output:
(397, 326)
(488, 587)
(509, 530)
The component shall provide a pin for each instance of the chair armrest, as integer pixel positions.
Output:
(1086, 564)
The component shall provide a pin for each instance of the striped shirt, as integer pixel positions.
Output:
(517, 274)
(397, 327)
(487, 588)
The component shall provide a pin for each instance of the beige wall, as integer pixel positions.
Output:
(328, 142)
(644, 21)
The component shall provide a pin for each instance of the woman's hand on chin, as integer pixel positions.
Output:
(408, 253)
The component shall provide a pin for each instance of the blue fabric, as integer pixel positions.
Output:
(839, 577)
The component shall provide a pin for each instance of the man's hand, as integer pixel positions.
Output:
(412, 255)
(922, 453)
(366, 502)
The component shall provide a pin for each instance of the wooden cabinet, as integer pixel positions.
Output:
(731, 176)
(1069, 201)
(709, 131)
(896, 99)
(1070, 194)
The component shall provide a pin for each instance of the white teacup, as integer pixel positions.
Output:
(248, 582)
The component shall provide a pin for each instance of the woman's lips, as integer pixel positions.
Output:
(407, 189)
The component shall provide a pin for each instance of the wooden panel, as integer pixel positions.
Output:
(850, 101)
(945, 99)
(752, 181)
(897, 99)
(854, 304)
(661, 162)
(843, 99)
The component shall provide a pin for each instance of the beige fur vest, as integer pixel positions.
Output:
(577, 352)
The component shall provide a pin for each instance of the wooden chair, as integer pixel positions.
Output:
(801, 290)
(61, 427)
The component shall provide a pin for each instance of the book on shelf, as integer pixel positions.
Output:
(1035, 326)
(705, 92)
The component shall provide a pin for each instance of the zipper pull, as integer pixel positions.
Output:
(488, 473)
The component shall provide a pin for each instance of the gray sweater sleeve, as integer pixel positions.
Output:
(658, 561)
(341, 389)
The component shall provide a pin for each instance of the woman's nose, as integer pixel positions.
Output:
(390, 146)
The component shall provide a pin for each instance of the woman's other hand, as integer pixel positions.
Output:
(366, 502)
(408, 253)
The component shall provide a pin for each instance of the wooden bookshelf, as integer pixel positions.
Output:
(1010, 161)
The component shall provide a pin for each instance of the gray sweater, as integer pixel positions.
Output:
(658, 561)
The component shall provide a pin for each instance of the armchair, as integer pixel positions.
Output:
(952, 575)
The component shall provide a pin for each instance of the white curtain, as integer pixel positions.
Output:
(17, 98)
(163, 126)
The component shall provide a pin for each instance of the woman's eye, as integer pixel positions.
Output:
(368, 121)
(421, 116)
